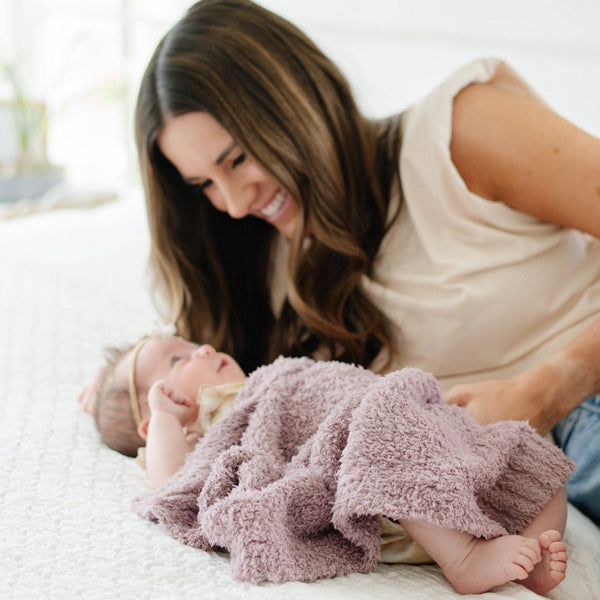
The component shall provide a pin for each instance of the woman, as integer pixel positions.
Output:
(453, 237)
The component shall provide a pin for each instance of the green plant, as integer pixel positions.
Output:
(30, 125)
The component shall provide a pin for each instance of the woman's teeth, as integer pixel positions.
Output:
(273, 207)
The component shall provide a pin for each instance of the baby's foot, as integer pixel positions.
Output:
(491, 563)
(551, 570)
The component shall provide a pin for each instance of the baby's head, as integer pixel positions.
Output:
(118, 398)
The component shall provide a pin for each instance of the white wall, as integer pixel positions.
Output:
(392, 51)
(530, 21)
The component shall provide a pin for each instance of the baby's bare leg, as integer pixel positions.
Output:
(548, 528)
(536, 559)
(474, 565)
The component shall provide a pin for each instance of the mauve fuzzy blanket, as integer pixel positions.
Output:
(292, 480)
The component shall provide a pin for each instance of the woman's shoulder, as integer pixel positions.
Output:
(488, 119)
(434, 111)
(444, 132)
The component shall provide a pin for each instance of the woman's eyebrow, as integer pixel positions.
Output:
(225, 152)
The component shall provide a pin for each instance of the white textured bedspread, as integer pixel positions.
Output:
(71, 283)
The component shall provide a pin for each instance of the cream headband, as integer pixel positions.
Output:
(158, 330)
(133, 396)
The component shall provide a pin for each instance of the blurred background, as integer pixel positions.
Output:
(69, 72)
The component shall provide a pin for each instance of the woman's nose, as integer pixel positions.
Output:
(238, 198)
(205, 351)
(237, 207)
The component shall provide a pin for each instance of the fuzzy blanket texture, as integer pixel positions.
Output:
(292, 480)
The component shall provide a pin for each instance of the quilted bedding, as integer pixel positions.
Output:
(73, 282)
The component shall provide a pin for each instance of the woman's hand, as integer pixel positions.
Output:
(519, 399)
(166, 398)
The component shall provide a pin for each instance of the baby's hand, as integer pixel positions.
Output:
(86, 398)
(167, 398)
(192, 439)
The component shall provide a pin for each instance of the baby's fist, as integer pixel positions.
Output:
(167, 398)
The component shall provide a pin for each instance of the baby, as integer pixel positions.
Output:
(122, 397)
(164, 392)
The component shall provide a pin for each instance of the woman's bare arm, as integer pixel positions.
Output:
(513, 149)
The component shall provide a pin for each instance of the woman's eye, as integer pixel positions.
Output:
(204, 185)
(239, 160)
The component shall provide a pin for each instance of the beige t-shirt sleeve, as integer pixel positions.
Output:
(474, 289)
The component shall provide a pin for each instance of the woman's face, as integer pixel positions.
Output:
(207, 156)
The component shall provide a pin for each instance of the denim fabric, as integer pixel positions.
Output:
(578, 434)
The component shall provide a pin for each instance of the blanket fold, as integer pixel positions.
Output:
(292, 481)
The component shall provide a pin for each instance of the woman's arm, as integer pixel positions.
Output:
(543, 395)
(513, 149)
(166, 445)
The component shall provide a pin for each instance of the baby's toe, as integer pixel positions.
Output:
(549, 537)
(556, 547)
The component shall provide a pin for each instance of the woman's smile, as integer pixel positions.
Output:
(272, 209)
(205, 154)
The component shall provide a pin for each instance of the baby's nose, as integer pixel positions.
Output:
(205, 351)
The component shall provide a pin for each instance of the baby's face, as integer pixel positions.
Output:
(185, 365)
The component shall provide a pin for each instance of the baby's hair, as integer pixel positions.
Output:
(112, 407)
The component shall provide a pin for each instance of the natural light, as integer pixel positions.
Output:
(448, 261)
(77, 64)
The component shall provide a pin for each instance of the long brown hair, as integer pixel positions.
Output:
(291, 109)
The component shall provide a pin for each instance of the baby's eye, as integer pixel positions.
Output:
(174, 360)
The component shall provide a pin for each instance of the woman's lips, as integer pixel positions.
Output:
(271, 210)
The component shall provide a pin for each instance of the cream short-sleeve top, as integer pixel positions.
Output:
(475, 289)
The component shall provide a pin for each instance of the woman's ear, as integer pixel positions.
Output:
(142, 428)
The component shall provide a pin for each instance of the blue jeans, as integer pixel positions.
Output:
(578, 434)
